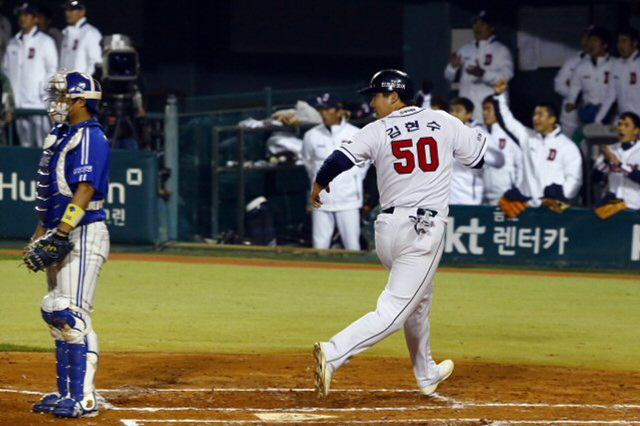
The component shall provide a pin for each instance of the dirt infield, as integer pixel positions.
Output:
(156, 389)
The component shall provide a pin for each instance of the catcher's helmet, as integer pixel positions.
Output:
(71, 85)
(387, 81)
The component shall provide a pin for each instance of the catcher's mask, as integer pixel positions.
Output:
(66, 86)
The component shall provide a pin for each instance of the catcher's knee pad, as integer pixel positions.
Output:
(46, 309)
(73, 325)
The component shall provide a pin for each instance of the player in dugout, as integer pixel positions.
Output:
(552, 163)
(620, 163)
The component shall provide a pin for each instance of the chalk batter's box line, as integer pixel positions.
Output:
(142, 422)
(454, 403)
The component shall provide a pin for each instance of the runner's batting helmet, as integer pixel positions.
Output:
(387, 81)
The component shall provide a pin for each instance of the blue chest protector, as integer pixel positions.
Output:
(71, 155)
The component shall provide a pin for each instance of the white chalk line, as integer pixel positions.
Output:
(455, 403)
(141, 422)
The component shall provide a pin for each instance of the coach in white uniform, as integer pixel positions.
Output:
(480, 64)
(591, 78)
(81, 41)
(549, 157)
(341, 207)
(498, 180)
(413, 150)
(625, 88)
(30, 59)
(569, 120)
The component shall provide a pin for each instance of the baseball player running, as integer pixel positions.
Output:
(71, 241)
(413, 150)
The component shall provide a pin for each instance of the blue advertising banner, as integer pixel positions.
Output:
(483, 235)
(131, 205)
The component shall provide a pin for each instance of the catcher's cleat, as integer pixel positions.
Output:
(70, 408)
(47, 404)
(445, 368)
(323, 371)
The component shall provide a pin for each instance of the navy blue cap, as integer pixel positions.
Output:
(326, 100)
(74, 4)
(555, 191)
(26, 7)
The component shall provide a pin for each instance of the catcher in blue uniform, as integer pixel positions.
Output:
(71, 242)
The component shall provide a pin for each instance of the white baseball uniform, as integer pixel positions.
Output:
(467, 185)
(562, 82)
(81, 47)
(341, 206)
(547, 159)
(619, 182)
(591, 79)
(492, 56)
(413, 150)
(29, 61)
(498, 180)
(625, 88)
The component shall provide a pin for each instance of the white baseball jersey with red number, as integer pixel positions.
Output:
(547, 159)
(490, 55)
(625, 87)
(591, 79)
(413, 151)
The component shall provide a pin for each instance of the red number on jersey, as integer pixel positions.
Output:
(402, 150)
(427, 161)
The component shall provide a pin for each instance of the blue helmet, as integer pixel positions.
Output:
(81, 85)
(74, 85)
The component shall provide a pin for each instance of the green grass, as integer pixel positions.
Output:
(143, 306)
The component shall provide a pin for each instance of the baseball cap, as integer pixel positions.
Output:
(74, 4)
(485, 16)
(326, 100)
(26, 7)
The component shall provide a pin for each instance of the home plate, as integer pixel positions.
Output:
(291, 416)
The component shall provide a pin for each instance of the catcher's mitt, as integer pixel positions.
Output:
(45, 251)
(513, 202)
(605, 211)
(555, 205)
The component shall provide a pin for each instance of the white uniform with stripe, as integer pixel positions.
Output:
(341, 206)
(467, 184)
(497, 181)
(413, 150)
(619, 182)
(81, 47)
(562, 83)
(494, 58)
(547, 159)
(29, 61)
(625, 88)
(591, 79)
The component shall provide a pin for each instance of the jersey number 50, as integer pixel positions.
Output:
(427, 149)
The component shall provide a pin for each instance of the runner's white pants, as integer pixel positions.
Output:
(412, 260)
(324, 223)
